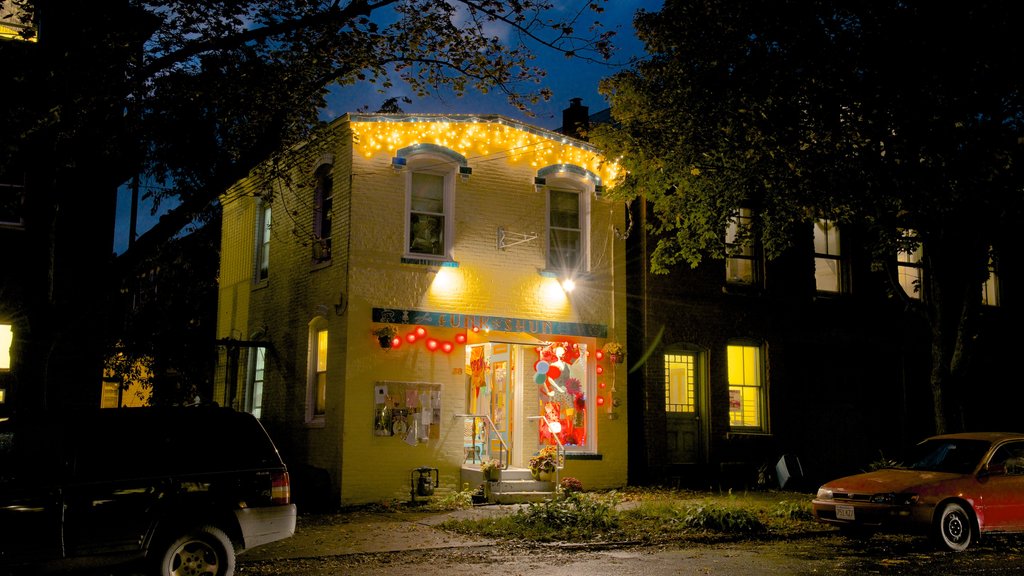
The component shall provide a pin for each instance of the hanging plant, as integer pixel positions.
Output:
(616, 352)
(385, 335)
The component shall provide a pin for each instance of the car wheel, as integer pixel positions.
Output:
(203, 551)
(954, 531)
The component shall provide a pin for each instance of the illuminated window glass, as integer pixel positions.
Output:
(680, 379)
(909, 268)
(827, 257)
(740, 262)
(990, 289)
(429, 205)
(565, 231)
(320, 406)
(567, 400)
(6, 341)
(316, 393)
(746, 388)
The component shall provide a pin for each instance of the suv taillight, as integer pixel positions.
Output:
(280, 488)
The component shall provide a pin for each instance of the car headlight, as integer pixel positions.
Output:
(894, 499)
(824, 494)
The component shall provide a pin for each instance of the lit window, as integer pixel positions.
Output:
(263, 243)
(565, 231)
(680, 382)
(316, 399)
(746, 389)
(323, 203)
(990, 288)
(827, 258)
(740, 265)
(430, 192)
(6, 341)
(909, 267)
(254, 385)
(568, 399)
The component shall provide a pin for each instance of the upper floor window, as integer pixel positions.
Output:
(740, 261)
(565, 230)
(316, 384)
(430, 205)
(262, 242)
(828, 264)
(748, 397)
(254, 381)
(990, 288)
(323, 203)
(910, 267)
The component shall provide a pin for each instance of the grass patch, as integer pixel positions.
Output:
(651, 516)
(570, 517)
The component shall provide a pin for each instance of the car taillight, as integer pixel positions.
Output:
(280, 488)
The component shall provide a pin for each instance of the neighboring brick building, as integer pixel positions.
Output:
(456, 231)
(809, 355)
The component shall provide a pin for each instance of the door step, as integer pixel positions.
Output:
(516, 486)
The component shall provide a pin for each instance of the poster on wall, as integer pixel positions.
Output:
(409, 411)
(735, 401)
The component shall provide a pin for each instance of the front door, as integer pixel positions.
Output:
(502, 401)
(682, 416)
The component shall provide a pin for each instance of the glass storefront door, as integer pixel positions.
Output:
(533, 393)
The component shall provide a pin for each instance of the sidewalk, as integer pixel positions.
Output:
(359, 531)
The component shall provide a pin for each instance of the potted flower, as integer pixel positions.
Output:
(570, 485)
(491, 470)
(615, 351)
(544, 463)
(385, 334)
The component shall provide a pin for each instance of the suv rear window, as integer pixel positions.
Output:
(137, 442)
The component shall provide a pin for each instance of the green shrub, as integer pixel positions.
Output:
(577, 510)
(790, 510)
(457, 500)
(720, 518)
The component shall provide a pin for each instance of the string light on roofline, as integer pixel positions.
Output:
(479, 139)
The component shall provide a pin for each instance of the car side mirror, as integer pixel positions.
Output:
(994, 470)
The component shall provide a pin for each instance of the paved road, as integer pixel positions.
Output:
(411, 544)
(828, 555)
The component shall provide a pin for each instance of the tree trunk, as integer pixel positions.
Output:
(957, 265)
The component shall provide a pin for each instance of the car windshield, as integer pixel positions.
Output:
(949, 455)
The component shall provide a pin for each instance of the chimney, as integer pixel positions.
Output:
(576, 119)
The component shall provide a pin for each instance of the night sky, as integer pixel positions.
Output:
(566, 77)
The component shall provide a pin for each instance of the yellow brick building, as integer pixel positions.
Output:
(462, 235)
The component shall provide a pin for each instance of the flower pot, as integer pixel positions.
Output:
(492, 475)
(542, 476)
(385, 341)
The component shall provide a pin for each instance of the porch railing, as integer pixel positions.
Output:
(487, 423)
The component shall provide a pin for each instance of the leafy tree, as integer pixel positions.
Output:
(193, 95)
(901, 117)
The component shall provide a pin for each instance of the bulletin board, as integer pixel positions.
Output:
(407, 411)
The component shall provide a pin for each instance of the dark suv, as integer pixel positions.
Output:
(178, 488)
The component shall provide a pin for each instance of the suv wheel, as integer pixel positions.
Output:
(203, 551)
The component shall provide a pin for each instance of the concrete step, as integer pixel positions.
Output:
(515, 486)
